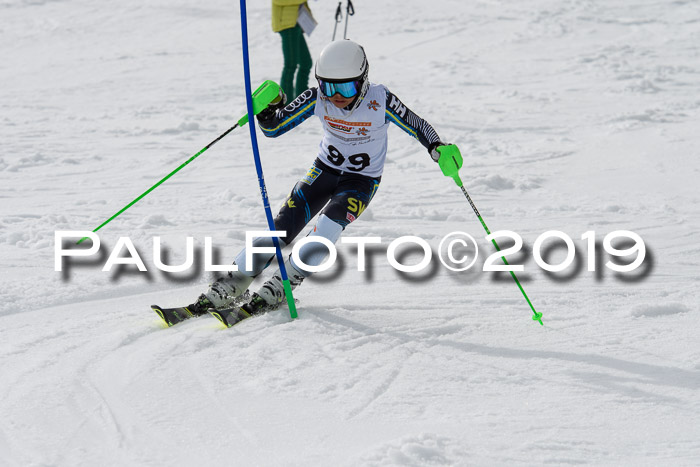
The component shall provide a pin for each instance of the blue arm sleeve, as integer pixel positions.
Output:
(292, 115)
(404, 118)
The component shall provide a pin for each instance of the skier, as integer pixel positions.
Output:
(355, 115)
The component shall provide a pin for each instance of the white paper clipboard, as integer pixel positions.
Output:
(306, 19)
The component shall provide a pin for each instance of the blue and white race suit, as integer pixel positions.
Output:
(348, 168)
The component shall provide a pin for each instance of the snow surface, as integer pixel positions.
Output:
(571, 115)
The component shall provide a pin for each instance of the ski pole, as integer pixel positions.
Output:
(349, 11)
(258, 166)
(263, 96)
(450, 161)
(338, 18)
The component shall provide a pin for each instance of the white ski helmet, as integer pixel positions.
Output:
(343, 62)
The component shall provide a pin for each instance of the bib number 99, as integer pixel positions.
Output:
(359, 161)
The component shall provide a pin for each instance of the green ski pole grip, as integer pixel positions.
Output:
(450, 162)
(262, 97)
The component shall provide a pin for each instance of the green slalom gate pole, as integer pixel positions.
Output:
(450, 161)
(261, 98)
(250, 101)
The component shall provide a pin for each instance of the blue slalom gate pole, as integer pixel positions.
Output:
(258, 165)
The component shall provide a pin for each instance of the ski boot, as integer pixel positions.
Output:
(271, 294)
(226, 292)
(268, 298)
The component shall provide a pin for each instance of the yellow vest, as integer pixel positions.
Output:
(285, 13)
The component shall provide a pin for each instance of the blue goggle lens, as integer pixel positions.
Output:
(347, 89)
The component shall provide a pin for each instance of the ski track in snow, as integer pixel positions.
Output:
(572, 116)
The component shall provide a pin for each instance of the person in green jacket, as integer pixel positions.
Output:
(297, 59)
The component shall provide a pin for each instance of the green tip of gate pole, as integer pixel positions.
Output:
(262, 97)
(290, 299)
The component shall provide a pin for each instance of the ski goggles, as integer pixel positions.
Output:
(346, 89)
